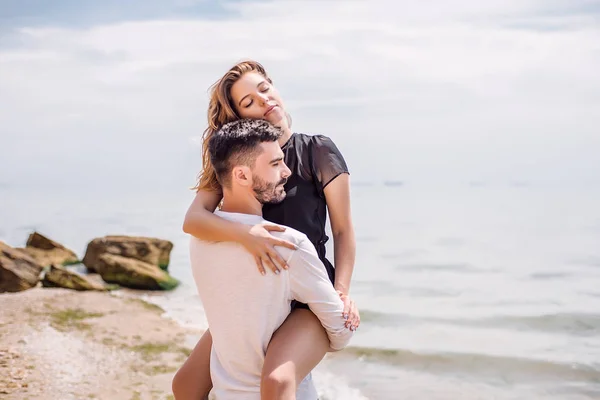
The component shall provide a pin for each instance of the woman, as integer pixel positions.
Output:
(319, 182)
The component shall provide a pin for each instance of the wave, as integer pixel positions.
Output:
(458, 267)
(383, 287)
(578, 324)
(588, 261)
(507, 368)
(369, 317)
(367, 239)
(550, 275)
(393, 183)
(406, 254)
(582, 324)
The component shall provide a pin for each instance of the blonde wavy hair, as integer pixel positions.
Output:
(221, 110)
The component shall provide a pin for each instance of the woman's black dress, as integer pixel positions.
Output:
(314, 162)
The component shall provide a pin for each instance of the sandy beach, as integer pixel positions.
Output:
(63, 344)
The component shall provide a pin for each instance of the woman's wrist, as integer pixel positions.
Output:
(241, 233)
(341, 289)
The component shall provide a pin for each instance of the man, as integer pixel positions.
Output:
(244, 308)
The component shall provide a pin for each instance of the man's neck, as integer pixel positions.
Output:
(241, 204)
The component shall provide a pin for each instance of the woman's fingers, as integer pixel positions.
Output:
(355, 316)
(259, 264)
(350, 312)
(270, 264)
(276, 228)
(267, 257)
(285, 243)
(276, 258)
(273, 241)
(346, 311)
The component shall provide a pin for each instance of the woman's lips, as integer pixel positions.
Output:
(270, 109)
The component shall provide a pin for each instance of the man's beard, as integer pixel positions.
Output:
(268, 193)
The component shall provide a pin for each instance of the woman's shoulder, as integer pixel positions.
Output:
(312, 140)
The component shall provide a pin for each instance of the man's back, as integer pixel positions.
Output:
(244, 308)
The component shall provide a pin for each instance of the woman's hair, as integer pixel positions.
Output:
(221, 110)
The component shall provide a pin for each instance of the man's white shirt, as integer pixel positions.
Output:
(245, 308)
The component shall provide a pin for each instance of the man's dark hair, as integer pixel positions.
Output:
(236, 143)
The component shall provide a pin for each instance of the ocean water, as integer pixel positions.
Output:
(487, 291)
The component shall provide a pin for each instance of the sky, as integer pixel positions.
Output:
(113, 93)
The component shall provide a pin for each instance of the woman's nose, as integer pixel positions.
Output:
(264, 99)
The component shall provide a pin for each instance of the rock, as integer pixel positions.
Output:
(47, 252)
(61, 277)
(132, 273)
(164, 247)
(18, 271)
(150, 250)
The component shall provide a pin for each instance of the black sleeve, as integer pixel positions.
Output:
(328, 162)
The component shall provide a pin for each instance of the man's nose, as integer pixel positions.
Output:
(286, 172)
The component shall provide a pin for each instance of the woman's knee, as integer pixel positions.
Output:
(279, 383)
(192, 380)
(187, 386)
(178, 384)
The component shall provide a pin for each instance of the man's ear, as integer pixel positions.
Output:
(242, 175)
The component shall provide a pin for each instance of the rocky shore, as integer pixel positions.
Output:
(118, 261)
(75, 328)
(59, 343)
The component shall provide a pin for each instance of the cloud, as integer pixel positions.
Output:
(496, 89)
(85, 13)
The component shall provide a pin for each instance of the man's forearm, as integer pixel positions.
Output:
(310, 284)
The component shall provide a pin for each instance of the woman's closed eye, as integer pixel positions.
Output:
(264, 89)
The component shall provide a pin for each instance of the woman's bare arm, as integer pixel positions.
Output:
(201, 222)
(337, 195)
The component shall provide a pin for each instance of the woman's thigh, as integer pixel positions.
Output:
(296, 348)
(192, 381)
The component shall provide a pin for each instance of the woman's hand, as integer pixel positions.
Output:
(261, 244)
(350, 312)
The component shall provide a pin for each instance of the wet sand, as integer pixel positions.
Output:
(62, 344)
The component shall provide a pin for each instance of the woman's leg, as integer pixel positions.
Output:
(192, 381)
(296, 348)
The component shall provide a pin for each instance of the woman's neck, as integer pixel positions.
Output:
(287, 134)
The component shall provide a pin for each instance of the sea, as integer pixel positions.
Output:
(472, 290)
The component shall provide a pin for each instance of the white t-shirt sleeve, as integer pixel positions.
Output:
(310, 284)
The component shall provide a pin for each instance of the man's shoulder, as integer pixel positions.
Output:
(196, 243)
(291, 235)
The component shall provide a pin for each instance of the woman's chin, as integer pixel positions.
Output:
(275, 117)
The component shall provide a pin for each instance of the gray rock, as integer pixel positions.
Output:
(132, 273)
(58, 276)
(18, 271)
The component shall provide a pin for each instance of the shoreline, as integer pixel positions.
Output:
(59, 343)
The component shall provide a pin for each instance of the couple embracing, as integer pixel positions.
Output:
(268, 329)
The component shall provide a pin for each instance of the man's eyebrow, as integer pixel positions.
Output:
(242, 99)
(277, 159)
